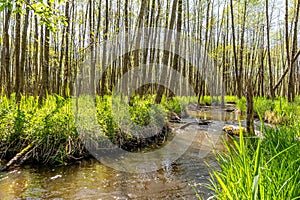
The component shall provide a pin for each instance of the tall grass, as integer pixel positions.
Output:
(260, 169)
(49, 127)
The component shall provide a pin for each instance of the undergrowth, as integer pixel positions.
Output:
(52, 126)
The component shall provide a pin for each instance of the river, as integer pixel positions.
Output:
(89, 179)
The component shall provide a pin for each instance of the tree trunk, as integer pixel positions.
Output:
(5, 57)
(272, 92)
(164, 74)
(104, 53)
(67, 64)
(291, 85)
(235, 52)
(137, 46)
(23, 53)
(17, 54)
(45, 67)
(250, 110)
(36, 59)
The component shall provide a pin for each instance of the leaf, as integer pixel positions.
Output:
(255, 187)
(2, 7)
(224, 187)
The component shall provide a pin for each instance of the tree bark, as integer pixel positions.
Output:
(5, 57)
(234, 51)
(291, 84)
(104, 60)
(67, 64)
(45, 67)
(272, 92)
(17, 54)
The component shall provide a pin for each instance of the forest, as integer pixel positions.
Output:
(138, 71)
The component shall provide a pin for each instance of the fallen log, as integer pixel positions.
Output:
(173, 117)
(235, 131)
(188, 124)
(197, 122)
(17, 158)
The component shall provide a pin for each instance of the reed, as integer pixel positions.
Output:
(266, 168)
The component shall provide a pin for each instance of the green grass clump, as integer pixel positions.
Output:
(177, 104)
(241, 104)
(277, 111)
(50, 127)
(231, 99)
(260, 169)
(110, 112)
(262, 104)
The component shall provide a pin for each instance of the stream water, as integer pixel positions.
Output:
(90, 179)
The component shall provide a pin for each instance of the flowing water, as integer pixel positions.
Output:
(90, 179)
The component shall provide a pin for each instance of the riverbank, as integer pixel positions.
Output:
(48, 133)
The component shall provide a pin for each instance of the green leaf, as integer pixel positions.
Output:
(224, 187)
(2, 7)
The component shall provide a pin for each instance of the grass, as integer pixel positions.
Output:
(50, 128)
(260, 169)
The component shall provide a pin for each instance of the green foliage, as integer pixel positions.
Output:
(279, 108)
(231, 99)
(173, 104)
(142, 112)
(50, 127)
(241, 104)
(5, 4)
(49, 16)
(205, 100)
(105, 116)
(262, 104)
(260, 169)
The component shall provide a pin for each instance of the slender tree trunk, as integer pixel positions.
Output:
(235, 52)
(104, 53)
(137, 46)
(166, 54)
(291, 85)
(45, 67)
(272, 94)
(92, 47)
(5, 57)
(36, 59)
(17, 54)
(241, 56)
(250, 110)
(67, 64)
(126, 58)
(178, 36)
(23, 53)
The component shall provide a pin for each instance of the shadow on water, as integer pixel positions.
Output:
(90, 179)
